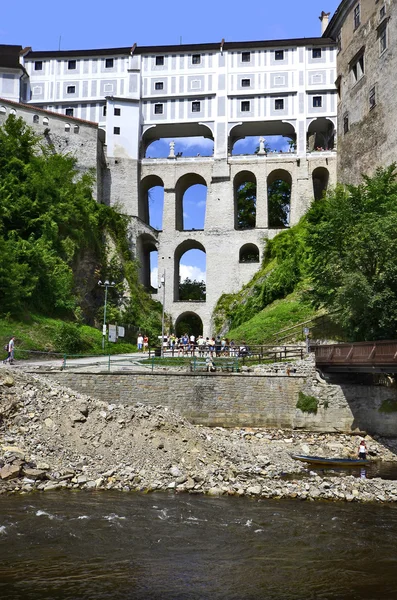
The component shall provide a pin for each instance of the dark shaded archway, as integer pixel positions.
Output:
(244, 186)
(145, 245)
(320, 135)
(249, 253)
(190, 323)
(279, 190)
(151, 190)
(320, 177)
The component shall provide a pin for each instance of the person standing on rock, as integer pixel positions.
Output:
(362, 450)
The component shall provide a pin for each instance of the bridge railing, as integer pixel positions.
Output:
(380, 353)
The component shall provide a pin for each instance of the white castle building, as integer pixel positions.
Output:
(225, 92)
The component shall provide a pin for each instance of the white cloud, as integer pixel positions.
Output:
(193, 273)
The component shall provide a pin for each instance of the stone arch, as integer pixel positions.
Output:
(182, 185)
(249, 253)
(147, 184)
(320, 178)
(3, 110)
(244, 186)
(179, 252)
(152, 133)
(145, 245)
(279, 192)
(321, 135)
(188, 322)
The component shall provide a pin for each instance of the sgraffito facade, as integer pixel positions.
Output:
(223, 92)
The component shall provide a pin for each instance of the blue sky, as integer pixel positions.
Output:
(100, 24)
(87, 24)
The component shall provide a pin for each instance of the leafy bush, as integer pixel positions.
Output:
(69, 339)
(307, 404)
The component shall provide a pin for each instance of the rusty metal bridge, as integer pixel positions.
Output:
(360, 357)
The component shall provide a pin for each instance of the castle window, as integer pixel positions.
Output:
(159, 85)
(245, 106)
(159, 61)
(356, 16)
(246, 57)
(196, 106)
(76, 129)
(35, 118)
(246, 83)
(317, 101)
(69, 112)
(383, 40)
(382, 13)
(196, 59)
(345, 124)
(45, 121)
(116, 130)
(71, 64)
(67, 127)
(71, 89)
(109, 62)
(3, 110)
(372, 98)
(38, 65)
(316, 53)
(117, 112)
(158, 109)
(358, 69)
(279, 55)
(279, 104)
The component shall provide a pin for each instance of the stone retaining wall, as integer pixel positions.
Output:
(246, 400)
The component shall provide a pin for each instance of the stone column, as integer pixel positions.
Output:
(169, 210)
(261, 196)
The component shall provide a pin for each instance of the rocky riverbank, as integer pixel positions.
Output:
(54, 438)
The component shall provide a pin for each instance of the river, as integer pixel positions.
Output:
(97, 546)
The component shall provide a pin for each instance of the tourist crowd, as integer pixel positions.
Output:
(189, 345)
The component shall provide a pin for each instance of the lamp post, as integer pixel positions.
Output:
(106, 284)
(162, 283)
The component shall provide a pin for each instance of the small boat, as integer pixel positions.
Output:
(331, 462)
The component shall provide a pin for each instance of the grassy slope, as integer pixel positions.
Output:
(274, 317)
(39, 333)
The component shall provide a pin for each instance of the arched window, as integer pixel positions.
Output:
(190, 272)
(76, 129)
(45, 121)
(67, 127)
(249, 253)
(245, 200)
(36, 118)
(3, 110)
(279, 187)
(191, 198)
(151, 201)
(320, 177)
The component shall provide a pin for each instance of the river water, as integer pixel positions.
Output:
(96, 546)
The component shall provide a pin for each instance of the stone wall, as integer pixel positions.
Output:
(246, 400)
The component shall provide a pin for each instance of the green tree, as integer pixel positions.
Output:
(192, 290)
(246, 206)
(279, 202)
(352, 246)
(56, 241)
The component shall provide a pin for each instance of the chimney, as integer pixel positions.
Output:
(324, 18)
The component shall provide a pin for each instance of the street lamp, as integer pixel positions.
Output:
(106, 285)
(162, 283)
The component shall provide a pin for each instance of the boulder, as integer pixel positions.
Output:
(10, 472)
